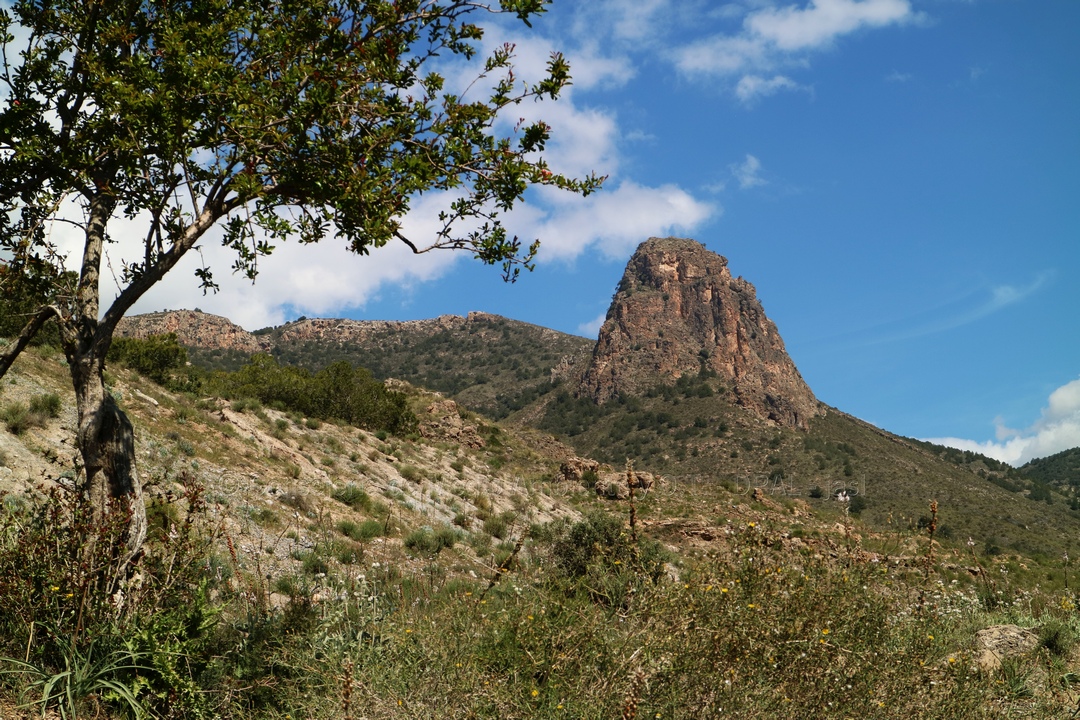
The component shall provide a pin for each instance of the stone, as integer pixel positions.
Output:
(677, 311)
(997, 642)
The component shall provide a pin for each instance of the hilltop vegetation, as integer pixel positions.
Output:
(488, 363)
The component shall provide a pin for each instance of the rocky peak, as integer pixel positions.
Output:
(677, 310)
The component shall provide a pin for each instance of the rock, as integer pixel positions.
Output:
(574, 469)
(193, 329)
(612, 489)
(443, 421)
(679, 311)
(997, 642)
(609, 483)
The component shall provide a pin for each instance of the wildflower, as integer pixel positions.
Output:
(535, 692)
(931, 637)
(751, 524)
(559, 706)
(55, 588)
(825, 631)
(723, 590)
(530, 617)
(751, 606)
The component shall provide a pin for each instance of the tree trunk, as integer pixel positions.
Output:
(107, 444)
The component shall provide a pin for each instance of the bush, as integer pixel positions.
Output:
(158, 357)
(427, 542)
(498, 526)
(48, 405)
(1057, 637)
(601, 539)
(59, 621)
(353, 496)
(340, 392)
(16, 417)
(365, 530)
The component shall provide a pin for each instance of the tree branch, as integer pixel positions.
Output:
(15, 348)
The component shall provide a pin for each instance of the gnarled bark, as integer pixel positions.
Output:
(107, 444)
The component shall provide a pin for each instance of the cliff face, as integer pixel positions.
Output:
(678, 309)
(194, 329)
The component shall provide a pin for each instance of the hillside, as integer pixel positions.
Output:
(1061, 470)
(488, 363)
(703, 393)
(300, 568)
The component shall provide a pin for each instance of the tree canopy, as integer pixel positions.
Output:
(269, 118)
(186, 113)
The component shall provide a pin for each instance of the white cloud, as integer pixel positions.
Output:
(615, 220)
(748, 173)
(319, 279)
(752, 87)
(592, 328)
(1057, 429)
(326, 278)
(792, 28)
(898, 77)
(631, 21)
(783, 37)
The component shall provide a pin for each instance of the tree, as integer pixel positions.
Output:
(270, 118)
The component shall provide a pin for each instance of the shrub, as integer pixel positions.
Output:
(17, 418)
(600, 539)
(157, 357)
(427, 542)
(339, 391)
(365, 530)
(47, 405)
(498, 526)
(353, 496)
(1057, 637)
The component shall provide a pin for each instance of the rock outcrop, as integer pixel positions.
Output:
(678, 310)
(193, 328)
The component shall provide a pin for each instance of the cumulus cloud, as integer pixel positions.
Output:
(614, 221)
(752, 87)
(817, 25)
(748, 173)
(1057, 429)
(326, 278)
(591, 328)
(782, 37)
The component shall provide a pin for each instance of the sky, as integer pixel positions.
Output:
(900, 180)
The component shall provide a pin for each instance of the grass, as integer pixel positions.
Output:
(583, 619)
(724, 605)
(19, 417)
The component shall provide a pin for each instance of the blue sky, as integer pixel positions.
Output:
(900, 179)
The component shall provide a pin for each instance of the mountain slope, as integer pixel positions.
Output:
(488, 363)
(695, 385)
